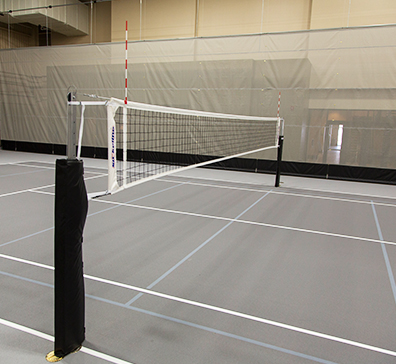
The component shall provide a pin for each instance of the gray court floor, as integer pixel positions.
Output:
(205, 266)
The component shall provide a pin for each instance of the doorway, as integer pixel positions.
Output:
(333, 136)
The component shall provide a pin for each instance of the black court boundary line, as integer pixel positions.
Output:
(289, 168)
(277, 191)
(265, 188)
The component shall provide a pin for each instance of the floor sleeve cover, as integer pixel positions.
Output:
(71, 206)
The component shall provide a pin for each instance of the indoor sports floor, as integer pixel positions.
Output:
(205, 266)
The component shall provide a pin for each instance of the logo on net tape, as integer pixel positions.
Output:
(112, 147)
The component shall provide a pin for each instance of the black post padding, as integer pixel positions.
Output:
(279, 161)
(71, 207)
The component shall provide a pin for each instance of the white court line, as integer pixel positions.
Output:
(283, 193)
(20, 260)
(385, 254)
(246, 316)
(337, 198)
(24, 164)
(32, 166)
(47, 337)
(283, 227)
(24, 191)
(35, 189)
(221, 310)
(295, 188)
(43, 192)
(29, 189)
(179, 174)
(229, 187)
(11, 163)
(60, 157)
(99, 175)
(53, 168)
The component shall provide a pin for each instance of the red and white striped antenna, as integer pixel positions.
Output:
(126, 62)
(279, 99)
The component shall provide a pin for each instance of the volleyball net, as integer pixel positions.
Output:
(145, 141)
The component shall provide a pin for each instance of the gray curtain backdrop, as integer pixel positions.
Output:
(338, 88)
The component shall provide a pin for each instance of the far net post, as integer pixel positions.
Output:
(280, 152)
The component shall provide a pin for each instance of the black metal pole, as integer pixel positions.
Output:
(279, 160)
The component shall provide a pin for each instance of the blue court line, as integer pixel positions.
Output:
(215, 331)
(385, 253)
(21, 173)
(136, 199)
(186, 323)
(27, 279)
(95, 213)
(194, 251)
(25, 237)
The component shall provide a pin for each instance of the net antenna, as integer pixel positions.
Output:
(124, 115)
(125, 126)
(146, 142)
(126, 62)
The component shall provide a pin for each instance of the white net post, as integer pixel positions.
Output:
(111, 149)
(81, 132)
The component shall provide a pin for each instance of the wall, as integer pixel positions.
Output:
(25, 34)
(158, 19)
(153, 19)
(169, 19)
(351, 13)
(19, 36)
(101, 27)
